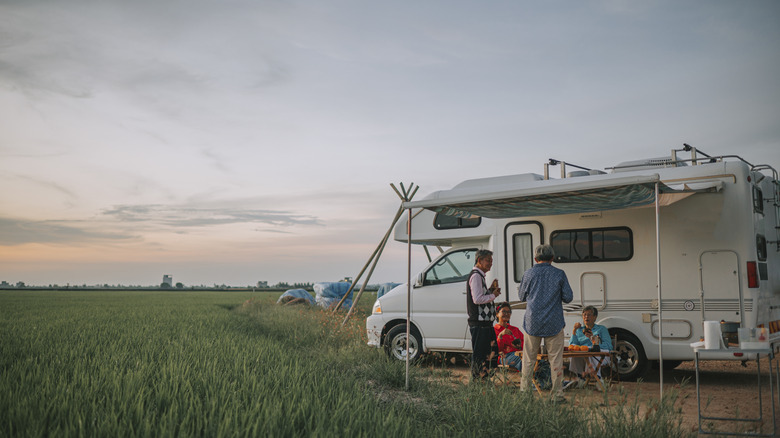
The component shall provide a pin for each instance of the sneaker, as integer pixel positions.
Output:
(569, 384)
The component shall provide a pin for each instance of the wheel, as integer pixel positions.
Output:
(632, 362)
(395, 343)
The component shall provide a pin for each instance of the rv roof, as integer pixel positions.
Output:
(498, 180)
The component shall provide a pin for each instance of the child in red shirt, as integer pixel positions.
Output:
(510, 338)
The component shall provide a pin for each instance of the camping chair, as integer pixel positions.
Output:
(504, 371)
(612, 367)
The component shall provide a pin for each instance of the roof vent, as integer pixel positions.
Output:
(649, 163)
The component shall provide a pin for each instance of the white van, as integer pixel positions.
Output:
(719, 253)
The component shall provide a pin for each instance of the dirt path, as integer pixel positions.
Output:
(728, 389)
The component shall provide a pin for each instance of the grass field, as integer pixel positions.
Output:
(216, 364)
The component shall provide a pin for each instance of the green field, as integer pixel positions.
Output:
(212, 364)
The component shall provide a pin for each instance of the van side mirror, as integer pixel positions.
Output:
(418, 282)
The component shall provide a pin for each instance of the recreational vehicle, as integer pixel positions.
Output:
(658, 245)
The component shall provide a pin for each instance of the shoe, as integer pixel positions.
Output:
(569, 384)
(581, 383)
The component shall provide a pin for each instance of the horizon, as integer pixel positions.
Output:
(231, 144)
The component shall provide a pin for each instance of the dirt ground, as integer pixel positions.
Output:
(728, 389)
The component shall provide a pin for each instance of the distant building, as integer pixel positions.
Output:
(262, 284)
(167, 279)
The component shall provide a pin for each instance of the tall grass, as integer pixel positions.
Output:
(220, 364)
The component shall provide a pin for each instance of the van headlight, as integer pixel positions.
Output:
(377, 309)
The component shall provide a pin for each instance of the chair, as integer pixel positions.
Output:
(614, 373)
(504, 371)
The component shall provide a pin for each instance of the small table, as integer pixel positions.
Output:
(600, 355)
(758, 352)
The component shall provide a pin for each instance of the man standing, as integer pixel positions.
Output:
(544, 288)
(482, 313)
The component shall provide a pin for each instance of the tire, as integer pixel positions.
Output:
(632, 363)
(395, 343)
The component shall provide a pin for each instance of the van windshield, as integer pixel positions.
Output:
(455, 266)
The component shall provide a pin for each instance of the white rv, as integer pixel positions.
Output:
(707, 227)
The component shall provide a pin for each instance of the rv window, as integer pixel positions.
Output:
(758, 200)
(524, 254)
(453, 267)
(595, 244)
(445, 222)
(761, 247)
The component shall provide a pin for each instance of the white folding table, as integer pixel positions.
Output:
(721, 353)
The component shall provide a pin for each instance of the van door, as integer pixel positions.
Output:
(520, 239)
(720, 286)
(439, 303)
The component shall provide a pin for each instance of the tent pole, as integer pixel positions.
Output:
(405, 197)
(371, 271)
(355, 281)
(408, 290)
(427, 254)
(658, 279)
(375, 258)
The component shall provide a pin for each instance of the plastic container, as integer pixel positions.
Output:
(753, 338)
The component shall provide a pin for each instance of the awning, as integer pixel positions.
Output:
(552, 197)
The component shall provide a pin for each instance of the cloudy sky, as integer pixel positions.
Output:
(234, 141)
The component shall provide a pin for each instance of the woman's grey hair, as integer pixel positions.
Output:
(481, 254)
(592, 310)
(544, 253)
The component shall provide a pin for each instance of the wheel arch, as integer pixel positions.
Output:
(616, 324)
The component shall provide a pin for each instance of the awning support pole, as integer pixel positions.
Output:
(658, 279)
(408, 291)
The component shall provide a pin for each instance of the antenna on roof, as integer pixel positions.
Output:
(554, 162)
(694, 152)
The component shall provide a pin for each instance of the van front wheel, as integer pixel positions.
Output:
(395, 343)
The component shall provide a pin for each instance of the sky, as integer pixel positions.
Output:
(237, 141)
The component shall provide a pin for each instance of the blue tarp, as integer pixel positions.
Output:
(329, 294)
(385, 288)
(296, 293)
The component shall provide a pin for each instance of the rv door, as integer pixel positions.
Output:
(520, 239)
(720, 287)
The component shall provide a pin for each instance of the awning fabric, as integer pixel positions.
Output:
(552, 197)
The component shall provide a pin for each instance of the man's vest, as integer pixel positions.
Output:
(479, 314)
